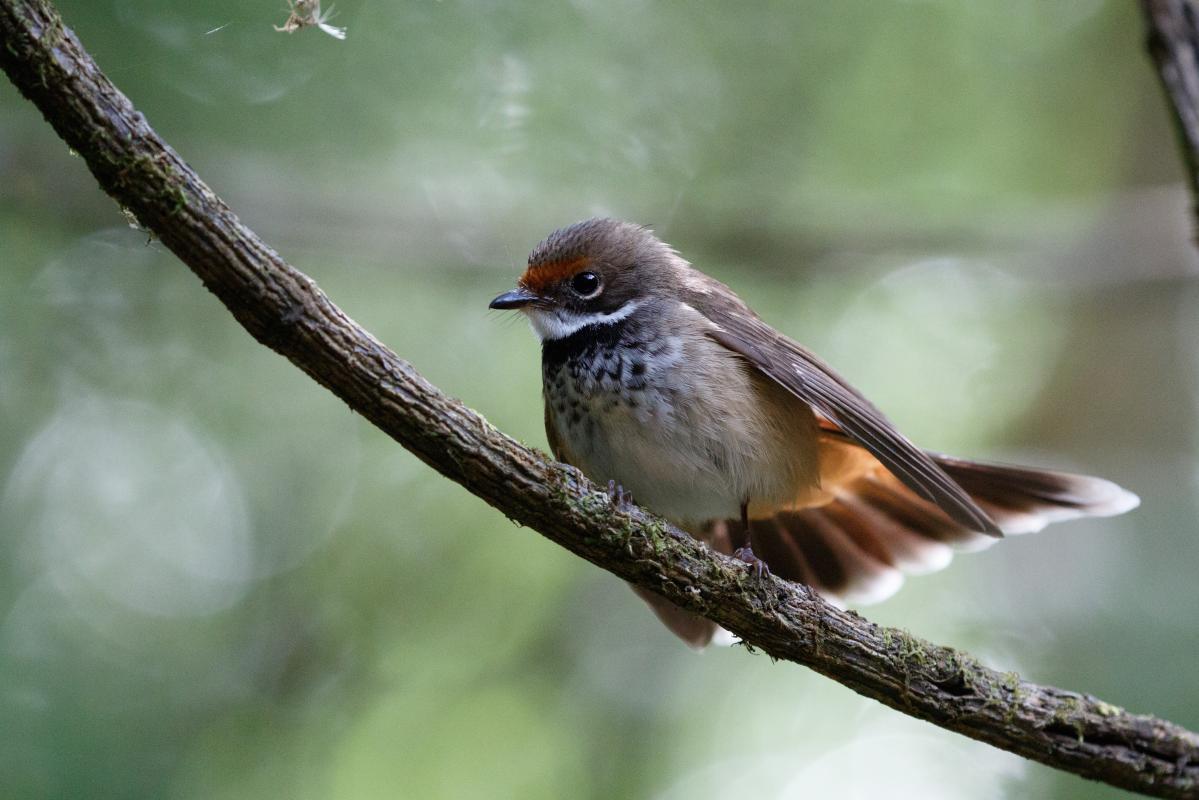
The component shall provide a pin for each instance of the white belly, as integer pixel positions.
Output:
(690, 446)
(668, 470)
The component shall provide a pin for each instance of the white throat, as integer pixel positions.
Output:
(558, 323)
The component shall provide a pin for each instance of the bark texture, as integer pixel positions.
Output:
(285, 310)
(1173, 42)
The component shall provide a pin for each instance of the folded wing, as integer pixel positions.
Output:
(798, 371)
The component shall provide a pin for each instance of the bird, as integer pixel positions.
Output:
(661, 381)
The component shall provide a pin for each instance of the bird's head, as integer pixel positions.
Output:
(591, 273)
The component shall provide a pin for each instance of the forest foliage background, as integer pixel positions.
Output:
(215, 581)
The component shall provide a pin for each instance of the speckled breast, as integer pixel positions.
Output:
(619, 406)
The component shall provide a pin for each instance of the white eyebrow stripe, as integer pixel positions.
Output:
(551, 325)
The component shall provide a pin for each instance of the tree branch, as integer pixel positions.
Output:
(284, 310)
(1173, 43)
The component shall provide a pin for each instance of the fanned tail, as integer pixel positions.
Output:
(1024, 500)
(857, 547)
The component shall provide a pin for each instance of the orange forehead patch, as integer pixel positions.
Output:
(539, 277)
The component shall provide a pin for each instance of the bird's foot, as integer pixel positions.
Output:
(620, 498)
(755, 564)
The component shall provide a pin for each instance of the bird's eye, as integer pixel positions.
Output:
(586, 284)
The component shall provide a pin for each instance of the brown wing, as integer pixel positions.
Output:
(787, 363)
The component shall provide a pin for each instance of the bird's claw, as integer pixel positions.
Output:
(620, 498)
(755, 564)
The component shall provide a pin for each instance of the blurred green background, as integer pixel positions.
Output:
(217, 582)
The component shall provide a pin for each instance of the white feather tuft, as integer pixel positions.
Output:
(551, 324)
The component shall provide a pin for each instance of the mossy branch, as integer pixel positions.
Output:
(284, 310)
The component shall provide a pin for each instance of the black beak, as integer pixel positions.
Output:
(517, 298)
